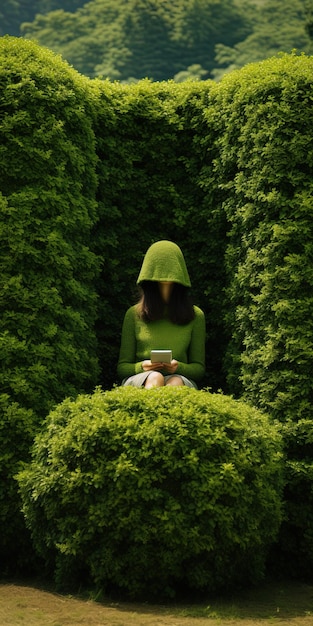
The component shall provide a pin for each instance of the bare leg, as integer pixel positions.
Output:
(175, 381)
(155, 379)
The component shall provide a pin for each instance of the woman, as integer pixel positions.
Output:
(164, 318)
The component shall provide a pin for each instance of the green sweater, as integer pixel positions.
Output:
(186, 342)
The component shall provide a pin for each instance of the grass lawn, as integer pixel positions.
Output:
(281, 604)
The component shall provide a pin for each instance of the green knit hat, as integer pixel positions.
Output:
(164, 261)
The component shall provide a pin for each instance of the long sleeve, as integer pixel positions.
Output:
(127, 363)
(195, 367)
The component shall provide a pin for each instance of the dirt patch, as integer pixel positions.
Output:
(282, 605)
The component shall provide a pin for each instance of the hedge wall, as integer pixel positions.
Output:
(97, 171)
(91, 173)
(263, 119)
(263, 116)
(293, 553)
(47, 269)
(47, 176)
(17, 428)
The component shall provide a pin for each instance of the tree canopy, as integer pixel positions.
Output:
(140, 38)
(277, 28)
(128, 40)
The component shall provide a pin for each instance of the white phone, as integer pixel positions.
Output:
(161, 356)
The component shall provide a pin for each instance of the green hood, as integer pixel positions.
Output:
(164, 261)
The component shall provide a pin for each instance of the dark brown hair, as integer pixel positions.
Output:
(151, 305)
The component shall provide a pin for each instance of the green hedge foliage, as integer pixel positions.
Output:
(47, 268)
(263, 116)
(17, 430)
(92, 172)
(48, 186)
(294, 550)
(154, 492)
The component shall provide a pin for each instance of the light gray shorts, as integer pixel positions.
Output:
(138, 380)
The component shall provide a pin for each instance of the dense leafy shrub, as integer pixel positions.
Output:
(154, 492)
(47, 269)
(294, 551)
(263, 117)
(92, 170)
(17, 429)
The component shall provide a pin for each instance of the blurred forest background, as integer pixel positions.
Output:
(128, 40)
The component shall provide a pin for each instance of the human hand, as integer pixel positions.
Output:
(147, 366)
(171, 367)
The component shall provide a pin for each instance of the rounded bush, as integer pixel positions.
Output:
(152, 492)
